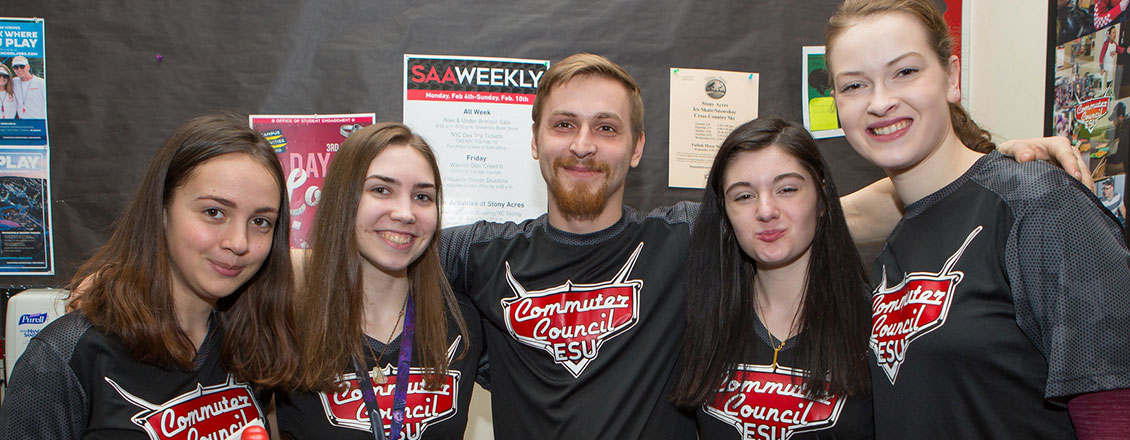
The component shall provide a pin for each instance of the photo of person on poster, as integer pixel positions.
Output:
(1118, 136)
(1109, 11)
(30, 90)
(1111, 198)
(1109, 68)
(1073, 21)
(7, 99)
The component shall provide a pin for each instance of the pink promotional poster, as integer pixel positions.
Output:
(305, 145)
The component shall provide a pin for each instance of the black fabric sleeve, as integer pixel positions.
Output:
(1070, 277)
(454, 245)
(44, 399)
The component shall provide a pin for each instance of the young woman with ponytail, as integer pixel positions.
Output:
(999, 302)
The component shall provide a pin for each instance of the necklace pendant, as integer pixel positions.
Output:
(380, 377)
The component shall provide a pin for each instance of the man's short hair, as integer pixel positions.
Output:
(583, 64)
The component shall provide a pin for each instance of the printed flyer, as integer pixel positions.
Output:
(25, 212)
(819, 107)
(23, 85)
(305, 144)
(706, 105)
(475, 113)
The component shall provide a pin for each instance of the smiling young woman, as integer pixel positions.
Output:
(996, 295)
(379, 316)
(190, 293)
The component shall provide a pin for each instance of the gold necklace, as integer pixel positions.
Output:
(776, 350)
(765, 321)
(381, 379)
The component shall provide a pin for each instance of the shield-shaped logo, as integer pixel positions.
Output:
(424, 407)
(765, 403)
(907, 311)
(219, 411)
(572, 321)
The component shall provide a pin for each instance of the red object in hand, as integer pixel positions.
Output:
(254, 433)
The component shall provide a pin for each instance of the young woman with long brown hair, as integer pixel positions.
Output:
(381, 328)
(776, 340)
(1001, 295)
(186, 301)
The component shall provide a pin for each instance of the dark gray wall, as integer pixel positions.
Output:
(111, 101)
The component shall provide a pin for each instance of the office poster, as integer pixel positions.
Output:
(706, 105)
(23, 94)
(25, 212)
(475, 113)
(1089, 88)
(305, 145)
(819, 106)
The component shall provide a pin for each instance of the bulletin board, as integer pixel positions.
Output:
(123, 77)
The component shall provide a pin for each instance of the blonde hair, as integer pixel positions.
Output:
(583, 64)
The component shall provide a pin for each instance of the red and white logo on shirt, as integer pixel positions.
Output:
(219, 412)
(764, 403)
(572, 321)
(424, 407)
(916, 306)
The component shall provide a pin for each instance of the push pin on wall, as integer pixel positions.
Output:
(160, 57)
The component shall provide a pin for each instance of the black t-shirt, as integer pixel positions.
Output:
(759, 402)
(438, 414)
(76, 382)
(583, 330)
(997, 297)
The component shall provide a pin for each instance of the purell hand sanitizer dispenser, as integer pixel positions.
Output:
(28, 312)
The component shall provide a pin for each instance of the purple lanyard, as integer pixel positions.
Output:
(400, 395)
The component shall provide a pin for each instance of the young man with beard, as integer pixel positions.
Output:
(583, 306)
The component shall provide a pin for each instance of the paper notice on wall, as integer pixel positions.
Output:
(23, 94)
(706, 105)
(25, 212)
(819, 107)
(475, 113)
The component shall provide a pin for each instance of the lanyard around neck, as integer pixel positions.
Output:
(400, 395)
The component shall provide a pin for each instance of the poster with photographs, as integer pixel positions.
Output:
(23, 84)
(1089, 83)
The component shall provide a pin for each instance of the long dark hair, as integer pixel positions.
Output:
(937, 35)
(126, 286)
(332, 292)
(834, 317)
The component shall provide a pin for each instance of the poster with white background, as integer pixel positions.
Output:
(475, 114)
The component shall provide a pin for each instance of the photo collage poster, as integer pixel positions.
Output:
(1091, 89)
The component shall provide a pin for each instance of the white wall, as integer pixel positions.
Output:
(479, 419)
(1005, 62)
